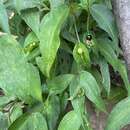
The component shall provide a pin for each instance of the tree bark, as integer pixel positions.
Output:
(122, 13)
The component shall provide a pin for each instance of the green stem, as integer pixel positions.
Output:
(88, 18)
(88, 126)
(77, 35)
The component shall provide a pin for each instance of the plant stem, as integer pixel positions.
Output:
(88, 18)
(77, 35)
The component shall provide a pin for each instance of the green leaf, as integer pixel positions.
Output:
(52, 111)
(108, 3)
(64, 61)
(18, 78)
(4, 18)
(120, 115)
(31, 38)
(33, 54)
(56, 3)
(5, 100)
(3, 121)
(34, 121)
(64, 46)
(121, 68)
(49, 37)
(81, 55)
(106, 50)
(117, 93)
(70, 122)
(68, 35)
(63, 101)
(58, 84)
(78, 104)
(87, 3)
(32, 19)
(75, 88)
(19, 122)
(105, 20)
(86, 84)
(105, 75)
(91, 89)
(15, 112)
(23, 4)
(97, 75)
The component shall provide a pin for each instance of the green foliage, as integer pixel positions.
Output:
(54, 55)
(105, 75)
(19, 78)
(119, 117)
(70, 122)
(81, 55)
(4, 18)
(49, 37)
(58, 84)
(33, 121)
(105, 20)
(52, 111)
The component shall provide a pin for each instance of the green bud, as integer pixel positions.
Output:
(80, 51)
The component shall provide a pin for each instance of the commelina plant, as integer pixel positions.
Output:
(60, 53)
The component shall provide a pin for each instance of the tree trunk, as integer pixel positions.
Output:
(122, 13)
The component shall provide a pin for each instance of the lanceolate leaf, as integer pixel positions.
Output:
(19, 122)
(121, 68)
(105, 75)
(77, 97)
(49, 37)
(52, 111)
(17, 77)
(32, 19)
(56, 3)
(97, 75)
(23, 4)
(34, 121)
(117, 94)
(58, 84)
(105, 20)
(80, 109)
(85, 84)
(120, 115)
(70, 121)
(3, 121)
(91, 89)
(107, 51)
(109, 54)
(4, 18)
(64, 101)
